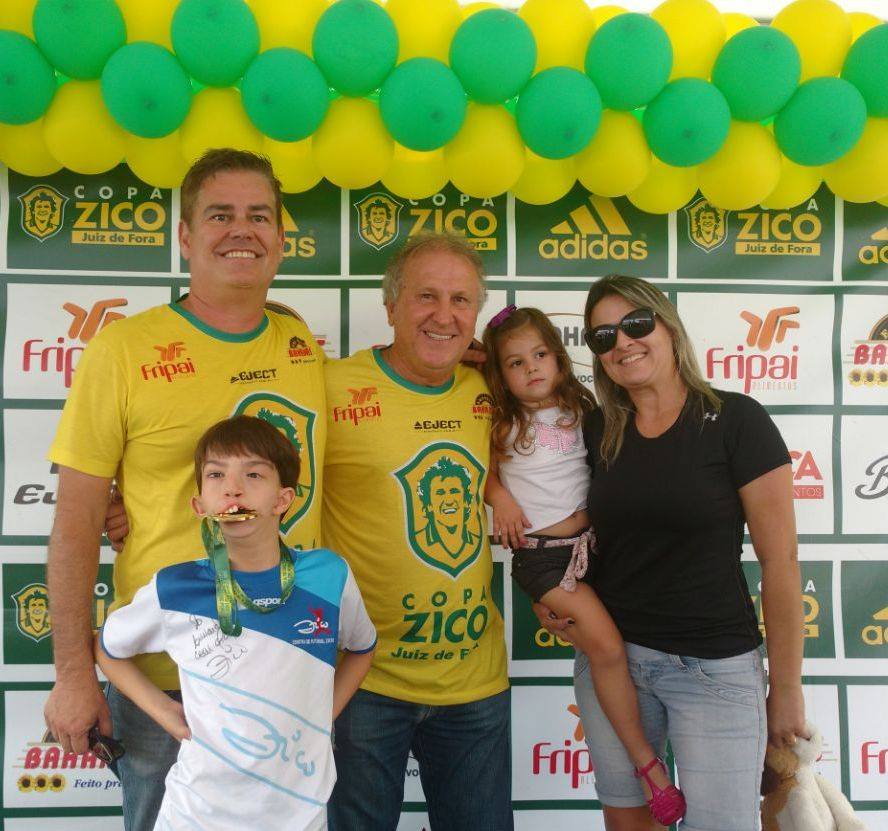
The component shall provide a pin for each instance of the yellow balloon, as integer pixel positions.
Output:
(562, 28)
(425, 27)
(861, 22)
(285, 23)
(797, 184)
(883, 201)
(148, 21)
(736, 22)
(415, 174)
(157, 161)
(79, 130)
(665, 189)
(486, 157)
(744, 171)
(618, 159)
(352, 147)
(545, 180)
(822, 33)
(861, 175)
(23, 149)
(293, 163)
(697, 33)
(17, 15)
(601, 14)
(217, 119)
(473, 8)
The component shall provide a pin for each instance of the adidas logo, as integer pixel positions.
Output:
(594, 230)
(875, 253)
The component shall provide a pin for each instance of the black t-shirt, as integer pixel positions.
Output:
(670, 525)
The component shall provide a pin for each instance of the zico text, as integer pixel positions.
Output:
(461, 627)
(479, 224)
(129, 221)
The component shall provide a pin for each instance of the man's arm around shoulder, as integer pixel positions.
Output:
(76, 702)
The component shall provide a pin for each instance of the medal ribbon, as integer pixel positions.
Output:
(228, 593)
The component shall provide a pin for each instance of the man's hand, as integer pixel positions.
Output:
(73, 707)
(474, 355)
(116, 520)
(560, 626)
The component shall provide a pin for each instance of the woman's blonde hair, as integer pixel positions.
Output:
(569, 393)
(616, 406)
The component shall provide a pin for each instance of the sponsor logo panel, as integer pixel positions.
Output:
(585, 234)
(757, 243)
(817, 605)
(865, 474)
(865, 609)
(413, 821)
(64, 824)
(776, 348)
(381, 223)
(320, 309)
(30, 482)
(865, 249)
(868, 743)
(38, 774)
(562, 820)
(865, 349)
(73, 221)
(412, 785)
(27, 621)
(49, 326)
(809, 439)
(550, 759)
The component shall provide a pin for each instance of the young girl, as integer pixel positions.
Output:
(540, 484)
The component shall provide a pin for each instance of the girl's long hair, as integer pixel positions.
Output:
(616, 405)
(569, 393)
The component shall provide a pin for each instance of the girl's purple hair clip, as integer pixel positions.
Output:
(500, 317)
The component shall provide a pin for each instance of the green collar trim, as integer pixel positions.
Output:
(403, 382)
(218, 334)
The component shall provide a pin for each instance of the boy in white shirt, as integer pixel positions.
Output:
(254, 629)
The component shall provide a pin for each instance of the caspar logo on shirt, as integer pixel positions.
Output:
(43, 211)
(442, 502)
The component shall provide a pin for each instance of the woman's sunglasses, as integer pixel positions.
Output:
(634, 325)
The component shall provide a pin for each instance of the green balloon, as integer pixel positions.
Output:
(687, 122)
(78, 36)
(822, 121)
(215, 40)
(629, 59)
(284, 94)
(866, 66)
(757, 71)
(355, 44)
(493, 54)
(558, 112)
(422, 104)
(145, 89)
(27, 82)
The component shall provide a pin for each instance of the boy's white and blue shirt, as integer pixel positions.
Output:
(259, 706)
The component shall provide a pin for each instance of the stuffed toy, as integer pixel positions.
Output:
(798, 799)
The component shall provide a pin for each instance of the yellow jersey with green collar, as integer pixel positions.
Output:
(403, 503)
(146, 389)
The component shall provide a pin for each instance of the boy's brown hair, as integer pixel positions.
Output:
(248, 436)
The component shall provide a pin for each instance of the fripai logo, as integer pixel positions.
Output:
(442, 504)
(869, 358)
(363, 405)
(707, 225)
(378, 219)
(62, 356)
(766, 361)
(876, 251)
(873, 758)
(298, 425)
(807, 480)
(171, 363)
(42, 211)
(298, 244)
(571, 759)
(594, 230)
(32, 617)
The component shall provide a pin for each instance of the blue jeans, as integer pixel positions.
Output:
(464, 755)
(713, 713)
(150, 753)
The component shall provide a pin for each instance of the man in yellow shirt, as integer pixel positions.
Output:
(145, 390)
(408, 448)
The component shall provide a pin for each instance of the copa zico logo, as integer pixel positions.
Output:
(876, 251)
(761, 231)
(298, 426)
(442, 505)
(593, 230)
(870, 358)
(297, 244)
(42, 211)
(378, 222)
(32, 612)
